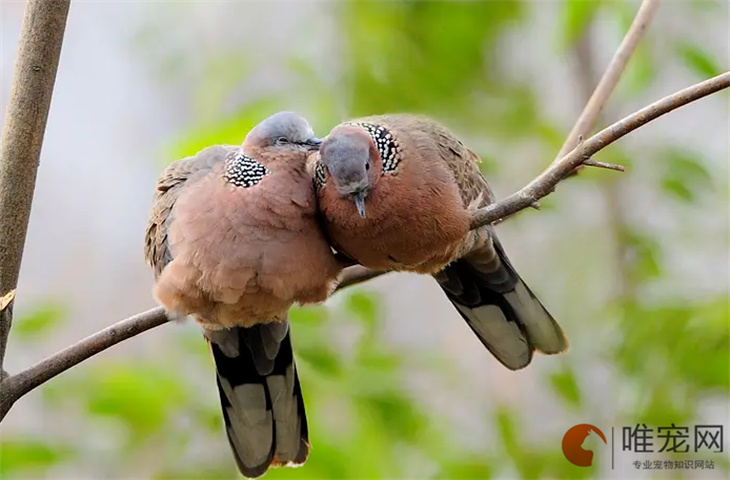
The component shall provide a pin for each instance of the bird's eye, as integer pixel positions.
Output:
(367, 166)
(282, 140)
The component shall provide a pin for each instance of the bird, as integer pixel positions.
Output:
(234, 241)
(395, 193)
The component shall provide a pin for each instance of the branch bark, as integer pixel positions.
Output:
(592, 111)
(356, 274)
(18, 385)
(41, 38)
(546, 182)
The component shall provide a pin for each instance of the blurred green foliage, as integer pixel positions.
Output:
(387, 434)
(39, 321)
(441, 59)
(699, 61)
(24, 457)
(576, 19)
(683, 177)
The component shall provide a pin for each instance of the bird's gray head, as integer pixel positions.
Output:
(283, 130)
(347, 154)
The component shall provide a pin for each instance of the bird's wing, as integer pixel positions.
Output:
(172, 181)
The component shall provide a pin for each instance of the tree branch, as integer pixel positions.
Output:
(587, 119)
(18, 385)
(41, 38)
(546, 182)
(356, 274)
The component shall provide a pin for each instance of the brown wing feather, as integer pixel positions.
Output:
(171, 182)
(481, 282)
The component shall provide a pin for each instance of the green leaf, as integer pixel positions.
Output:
(39, 322)
(25, 454)
(640, 71)
(527, 461)
(363, 306)
(309, 315)
(703, 353)
(677, 188)
(676, 354)
(565, 384)
(143, 398)
(646, 251)
(391, 49)
(697, 60)
(576, 17)
(325, 361)
(231, 130)
(468, 468)
(397, 412)
(684, 174)
(507, 430)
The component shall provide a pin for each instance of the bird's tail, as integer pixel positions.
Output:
(501, 310)
(260, 395)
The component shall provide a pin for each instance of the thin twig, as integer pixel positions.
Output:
(587, 119)
(41, 37)
(18, 385)
(608, 166)
(546, 182)
(40, 45)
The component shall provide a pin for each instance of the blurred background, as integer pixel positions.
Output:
(633, 265)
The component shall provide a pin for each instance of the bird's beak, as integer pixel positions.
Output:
(313, 143)
(359, 198)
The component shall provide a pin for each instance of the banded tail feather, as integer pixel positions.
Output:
(500, 308)
(261, 398)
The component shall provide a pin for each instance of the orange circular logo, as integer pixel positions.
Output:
(573, 444)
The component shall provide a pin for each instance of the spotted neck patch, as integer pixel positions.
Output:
(388, 147)
(244, 171)
(320, 175)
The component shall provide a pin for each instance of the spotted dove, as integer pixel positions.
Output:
(395, 192)
(234, 241)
